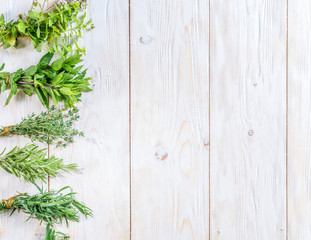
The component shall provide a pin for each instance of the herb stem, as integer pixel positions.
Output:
(31, 83)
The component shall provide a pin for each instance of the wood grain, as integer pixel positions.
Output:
(248, 119)
(170, 119)
(299, 90)
(16, 227)
(103, 155)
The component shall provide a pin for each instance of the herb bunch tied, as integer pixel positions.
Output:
(30, 163)
(52, 127)
(51, 207)
(57, 26)
(62, 80)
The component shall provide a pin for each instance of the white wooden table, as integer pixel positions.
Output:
(198, 126)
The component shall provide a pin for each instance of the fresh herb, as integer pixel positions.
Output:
(62, 80)
(51, 207)
(58, 26)
(31, 163)
(52, 126)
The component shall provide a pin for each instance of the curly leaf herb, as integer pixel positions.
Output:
(62, 80)
(31, 163)
(52, 126)
(57, 26)
(51, 207)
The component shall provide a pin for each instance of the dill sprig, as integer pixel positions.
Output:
(49, 207)
(62, 80)
(30, 163)
(52, 127)
(58, 26)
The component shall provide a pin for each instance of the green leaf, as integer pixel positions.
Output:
(34, 15)
(45, 60)
(2, 67)
(74, 59)
(14, 88)
(38, 31)
(57, 64)
(21, 26)
(42, 97)
(11, 40)
(2, 21)
(57, 79)
(31, 70)
(14, 32)
(66, 91)
(9, 98)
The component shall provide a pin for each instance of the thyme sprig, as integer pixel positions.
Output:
(62, 80)
(52, 127)
(57, 26)
(30, 163)
(49, 207)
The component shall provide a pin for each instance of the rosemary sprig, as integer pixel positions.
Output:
(52, 126)
(30, 163)
(58, 26)
(50, 207)
(62, 80)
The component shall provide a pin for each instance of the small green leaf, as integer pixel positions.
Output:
(45, 60)
(21, 26)
(9, 98)
(74, 59)
(14, 88)
(2, 67)
(2, 21)
(38, 32)
(66, 91)
(31, 70)
(57, 64)
(14, 32)
(42, 97)
(11, 40)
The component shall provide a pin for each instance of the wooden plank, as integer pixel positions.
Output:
(16, 227)
(299, 90)
(170, 119)
(248, 119)
(103, 154)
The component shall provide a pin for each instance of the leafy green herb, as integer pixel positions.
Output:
(52, 126)
(57, 26)
(31, 163)
(62, 80)
(51, 207)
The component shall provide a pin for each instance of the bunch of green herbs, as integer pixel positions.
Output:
(52, 127)
(50, 207)
(30, 163)
(62, 80)
(59, 26)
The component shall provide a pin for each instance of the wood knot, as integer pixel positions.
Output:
(146, 40)
(160, 154)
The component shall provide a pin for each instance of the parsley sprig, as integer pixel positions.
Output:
(50, 207)
(31, 163)
(52, 127)
(58, 26)
(62, 80)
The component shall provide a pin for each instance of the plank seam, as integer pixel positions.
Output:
(130, 120)
(209, 119)
(286, 119)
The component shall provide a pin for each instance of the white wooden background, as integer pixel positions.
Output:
(198, 126)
